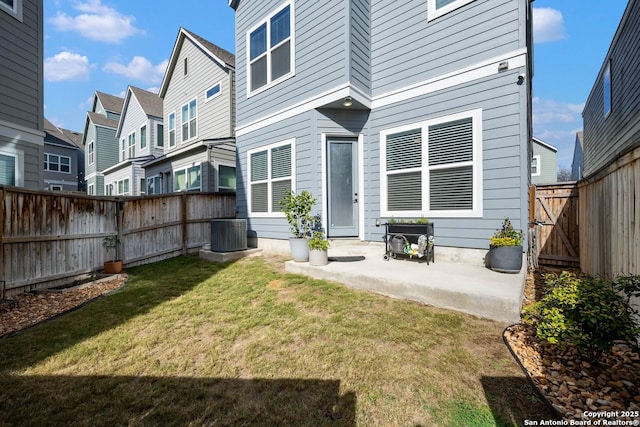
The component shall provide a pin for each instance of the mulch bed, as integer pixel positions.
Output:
(574, 387)
(32, 308)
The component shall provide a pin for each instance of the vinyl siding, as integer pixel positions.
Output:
(218, 156)
(548, 165)
(214, 117)
(134, 120)
(607, 137)
(68, 181)
(21, 55)
(106, 154)
(360, 43)
(321, 53)
(406, 48)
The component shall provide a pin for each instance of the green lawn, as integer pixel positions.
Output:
(188, 342)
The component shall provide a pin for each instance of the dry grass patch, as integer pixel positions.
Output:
(189, 342)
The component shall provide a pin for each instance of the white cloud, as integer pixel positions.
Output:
(548, 25)
(154, 89)
(140, 69)
(97, 22)
(549, 112)
(67, 66)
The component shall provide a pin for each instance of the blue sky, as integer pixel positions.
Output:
(106, 45)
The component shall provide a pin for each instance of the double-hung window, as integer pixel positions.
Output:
(90, 152)
(187, 179)
(189, 120)
(123, 187)
(123, 149)
(55, 163)
(132, 145)
(535, 165)
(108, 189)
(438, 8)
(433, 168)
(172, 130)
(160, 135)
(143, 137)
(271, 172)
(271, 50)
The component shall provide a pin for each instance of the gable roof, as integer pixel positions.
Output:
(150, 103)
(109, 102)
(224, 58)
(60, 135)
(544, 144)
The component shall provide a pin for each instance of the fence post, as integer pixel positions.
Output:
(120, 206)
(183, 206)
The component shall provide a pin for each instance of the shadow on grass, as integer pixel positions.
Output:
(148, 287)
(512, 401)
(100, 400)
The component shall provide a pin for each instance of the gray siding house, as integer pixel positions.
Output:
(612, 112)
(21, 86)
(199, 109)
(99, 140)
(385, 110)
(544, 164)
(578, 158)
(140, 134)
(63, 159)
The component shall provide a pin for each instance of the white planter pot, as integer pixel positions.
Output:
(318, 257)
(299, 249)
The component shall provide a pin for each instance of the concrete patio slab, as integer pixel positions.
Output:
(464, 287)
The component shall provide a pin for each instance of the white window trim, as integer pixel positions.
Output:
(292, 51)
(191, 137)
(123, 149)
(169, 129)
(155, 190)
(55, 187)
(16, 11)
(117, 188)
(536, 160)
(47, 155)
(209, 98)
(19, 166)
(433, 13)
(113, 189)
(186, 171)
(476, 211)
(268, 148)
(158, 133)
(227, 164)
(91, 153)
(131, 146)
(146, 137)
(91, 189)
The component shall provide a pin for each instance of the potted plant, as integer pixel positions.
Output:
(114, 266)
(318, 247)
(297, 209)
(505, 249)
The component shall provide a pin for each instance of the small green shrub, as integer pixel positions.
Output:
(318, 241)
(507, 235)
(585, 311)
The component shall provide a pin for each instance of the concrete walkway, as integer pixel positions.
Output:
(464, 287)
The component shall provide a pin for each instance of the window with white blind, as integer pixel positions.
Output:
(433, 168)
(271, 171)
(271, 52)
(7, 169)
(436, 8)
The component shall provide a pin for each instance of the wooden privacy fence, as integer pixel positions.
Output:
(48, 239)
(554, 211)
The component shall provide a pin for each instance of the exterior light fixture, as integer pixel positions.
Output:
(347, 102)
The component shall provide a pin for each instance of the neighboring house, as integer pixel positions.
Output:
(609, 191)
(386, 110)
(578, 158)
(199, 110)
(141, 135)
(63, 159)
(21, 85)
(99, 140)
(544, 164)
